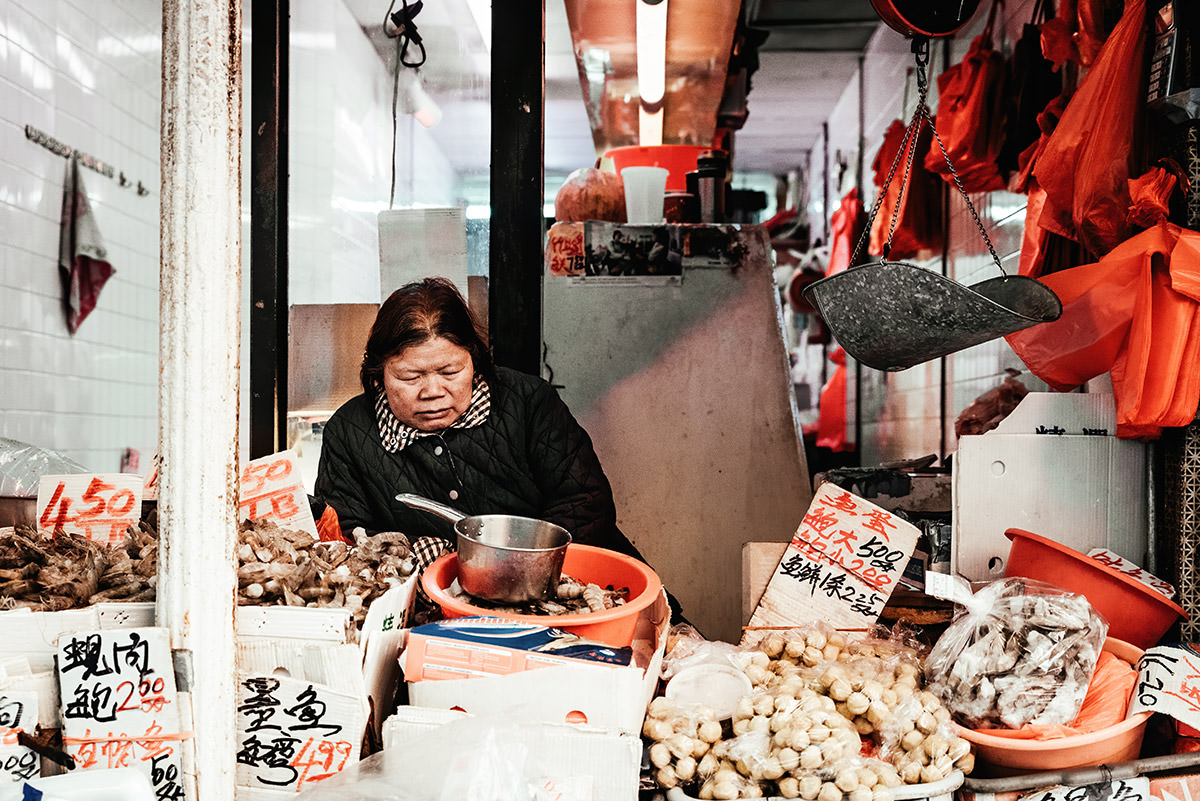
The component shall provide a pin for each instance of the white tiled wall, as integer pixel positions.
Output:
(911, 413)
(86, 73)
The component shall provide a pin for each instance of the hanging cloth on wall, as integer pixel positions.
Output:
(1084, 166)
(969, 115)
(82, 257)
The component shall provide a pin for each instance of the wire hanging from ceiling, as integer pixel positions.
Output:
(404, 31)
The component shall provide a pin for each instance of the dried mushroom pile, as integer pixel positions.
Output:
(280, 567)
(828, 720)
(572, 596)
(50, 574)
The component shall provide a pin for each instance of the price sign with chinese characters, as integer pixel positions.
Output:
(1168, 682)
(293, 733)
(18, 713)
(1116, 561)
(99, 507)
(841, 566)
(119, 705)
(273, 488)
(1135, 789)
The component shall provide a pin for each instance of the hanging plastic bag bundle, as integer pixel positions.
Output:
(1085, 166)
(970, 121)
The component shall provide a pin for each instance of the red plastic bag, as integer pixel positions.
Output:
(1058, 41)
(970, 121)
(1150, 197)
(831, 413)
(1084, 167)
(918, 226)
(845, 227)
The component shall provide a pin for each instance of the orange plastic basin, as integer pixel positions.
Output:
(1006, 756)
(679, 160)
(584, 562)
(1135, 613)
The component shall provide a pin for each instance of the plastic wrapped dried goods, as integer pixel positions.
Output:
(1021, 652)
(919, 740)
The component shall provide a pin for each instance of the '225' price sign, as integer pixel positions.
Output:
(99, 507)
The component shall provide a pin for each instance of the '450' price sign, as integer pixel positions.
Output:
(272, 488)
(99, 507)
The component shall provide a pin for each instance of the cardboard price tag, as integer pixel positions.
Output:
(1115, 560)
(1168, 683)
(99, 507)
(119, 704)
(18, 713)
(1135, 789)
(841, 566)
(273, 487)
(294, 733)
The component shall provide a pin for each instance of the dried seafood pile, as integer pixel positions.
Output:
(572, 596)
(49, 574)
(280, 567)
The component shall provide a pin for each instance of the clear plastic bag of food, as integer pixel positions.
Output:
(919, 740)
(1021, 652)
(22, 466)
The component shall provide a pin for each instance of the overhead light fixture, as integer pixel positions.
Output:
(651, 69)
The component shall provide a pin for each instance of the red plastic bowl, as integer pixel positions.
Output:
(1135, 613)
(584, 562)
(679, 160)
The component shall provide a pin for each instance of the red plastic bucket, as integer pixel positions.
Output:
(678, 159)
(1135, 613)
(584, 562)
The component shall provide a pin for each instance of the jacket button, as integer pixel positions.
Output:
(454, 495)
(437, 451)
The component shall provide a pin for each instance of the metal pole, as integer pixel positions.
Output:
(199, 339)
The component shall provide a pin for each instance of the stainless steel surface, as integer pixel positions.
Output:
(504, 558)
(893, 315)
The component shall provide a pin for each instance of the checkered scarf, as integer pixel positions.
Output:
(397, 436)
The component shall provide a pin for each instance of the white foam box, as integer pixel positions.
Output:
(609, 761)
(608, 697)
(1053, 467)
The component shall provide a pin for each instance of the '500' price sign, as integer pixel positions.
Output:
(99, 507)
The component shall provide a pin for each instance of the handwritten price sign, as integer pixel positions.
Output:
(294, 733)
(99, 507)
(18, 713)
(1116, 561)
(841, 566)
(272, 488)
(119, 705)
(1168, 682)
(1136, 789)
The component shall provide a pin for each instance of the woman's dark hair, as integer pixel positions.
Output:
(416, 313)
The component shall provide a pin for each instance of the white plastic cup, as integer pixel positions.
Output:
(645, 189)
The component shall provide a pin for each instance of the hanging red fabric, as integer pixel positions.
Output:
(970, 119)
(1084, 166)
(845, 226)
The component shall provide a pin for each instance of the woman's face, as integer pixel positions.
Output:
(429, 385)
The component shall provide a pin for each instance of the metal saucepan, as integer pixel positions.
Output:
(503, 558)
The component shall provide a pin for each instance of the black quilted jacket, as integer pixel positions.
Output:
(529, 458)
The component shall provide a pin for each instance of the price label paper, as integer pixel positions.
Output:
(99, 507)
(272, 487)
(1135, 789)
(119, 704)
(1168, 683)
(18, 713)
(1115, 560)
(841, 566)
(293, 733)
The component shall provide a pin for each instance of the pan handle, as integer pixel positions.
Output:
(433, 507)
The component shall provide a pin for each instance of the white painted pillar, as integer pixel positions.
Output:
(199, 339)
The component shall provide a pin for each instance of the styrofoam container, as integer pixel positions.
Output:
(117, 784)
(932, 791)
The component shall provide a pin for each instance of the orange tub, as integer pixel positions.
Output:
(1007, 756)
(1135, 613)
(679, 160)
(584, 562)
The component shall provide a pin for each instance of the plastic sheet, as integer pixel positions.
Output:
(1022, 652)
(22, 465)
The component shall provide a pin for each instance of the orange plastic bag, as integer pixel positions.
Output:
(1105, 704)
(918, 224)
(831, 411)
(1150, 197)
(1084, 167)
(845, 227)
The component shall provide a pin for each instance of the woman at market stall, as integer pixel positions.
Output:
(437, 418)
